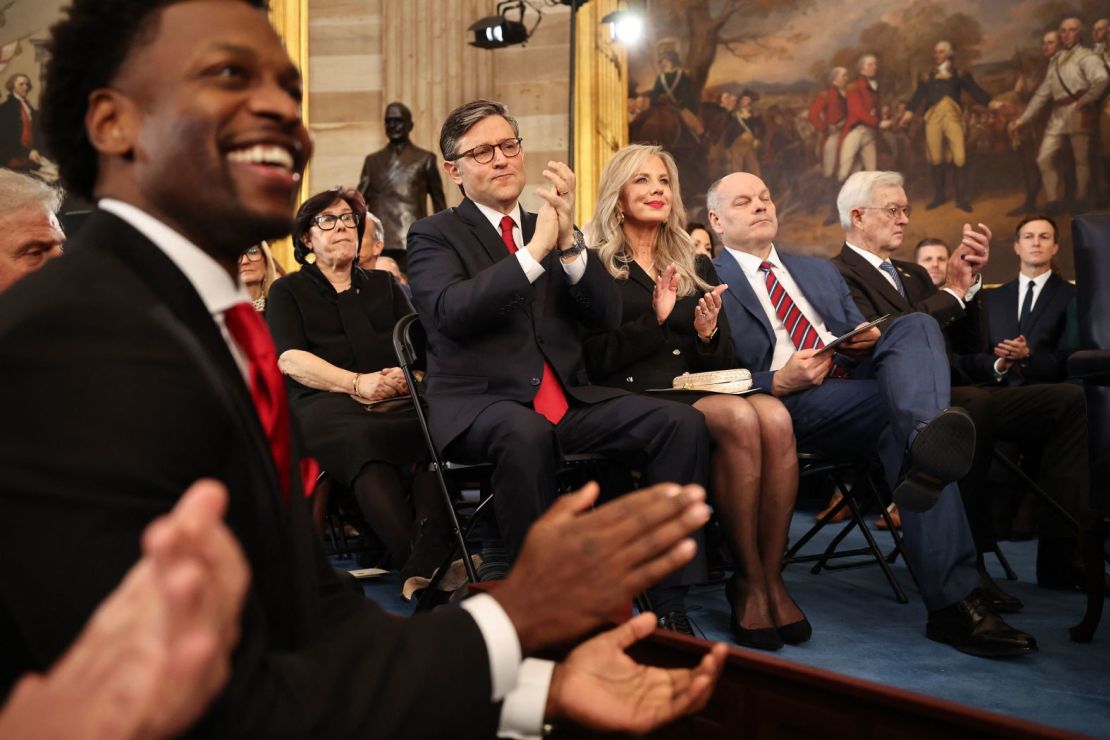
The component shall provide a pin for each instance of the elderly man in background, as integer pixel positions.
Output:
(373, 243)
(30, 235)
(1075, 80)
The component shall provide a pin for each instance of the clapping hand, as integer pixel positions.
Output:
(599, 686)
(665, 294)
(1009, 351)
(705, 315)
(560, 196)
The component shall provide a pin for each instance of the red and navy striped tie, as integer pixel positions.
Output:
(797, 325)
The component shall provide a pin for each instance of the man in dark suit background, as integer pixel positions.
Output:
(893, 399)
(874, 211)
(131, 368)
(20, 134)
(502, 293)
(1026, 318)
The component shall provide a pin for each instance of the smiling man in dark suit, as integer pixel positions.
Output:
(1026, 318)
(502, 293)
(888, 396)
(137, 365)
(874, 212)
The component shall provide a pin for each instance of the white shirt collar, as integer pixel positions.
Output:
(494, 216)
(215, 287)
(874, 259)
(749, 263)
(1039, 281)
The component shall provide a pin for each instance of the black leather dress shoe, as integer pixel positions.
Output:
(973, 627)
(940, 453)
(1000, 601)
(676, 621)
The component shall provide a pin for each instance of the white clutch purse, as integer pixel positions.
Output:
(737, 380)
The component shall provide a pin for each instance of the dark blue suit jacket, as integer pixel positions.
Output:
(1046, 335)
(822, 286)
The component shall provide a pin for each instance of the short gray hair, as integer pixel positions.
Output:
(947, 47)
(18, 192)
(379, 230)
(460, 120)
(859, 190)
(711, 202)
(836, 72)
(863, 60)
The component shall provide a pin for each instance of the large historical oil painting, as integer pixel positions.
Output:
(991, 108)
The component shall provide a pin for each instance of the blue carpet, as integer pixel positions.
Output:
(862, 631)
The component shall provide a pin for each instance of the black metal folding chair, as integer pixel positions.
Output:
(856, 482)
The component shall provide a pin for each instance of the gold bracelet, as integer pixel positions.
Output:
(354, 383)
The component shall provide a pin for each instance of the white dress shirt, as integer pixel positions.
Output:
(1038, 286)
(784, 345)
(522, 685)
(532, 269)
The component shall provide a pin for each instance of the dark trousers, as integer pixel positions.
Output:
(1050, 419)
(904, 383)
(665, 441)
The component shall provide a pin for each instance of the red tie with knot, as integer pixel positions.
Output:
(550, 401)
(801, 332)
(268, 392)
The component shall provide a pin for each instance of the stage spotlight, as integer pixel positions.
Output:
(498, 31)
(625, 27)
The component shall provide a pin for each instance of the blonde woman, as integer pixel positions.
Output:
(257, 272)
(673, 324)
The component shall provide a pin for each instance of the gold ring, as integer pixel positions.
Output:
(560, 193)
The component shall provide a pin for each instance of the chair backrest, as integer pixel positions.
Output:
(409, 342)
(1091, 245)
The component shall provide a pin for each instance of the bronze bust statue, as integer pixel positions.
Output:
(398, 179)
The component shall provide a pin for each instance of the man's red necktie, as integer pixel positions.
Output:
(797, 325)
(550, 401)
(268, 392)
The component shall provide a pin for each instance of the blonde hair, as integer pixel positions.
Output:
(672, 245)
(270, 273)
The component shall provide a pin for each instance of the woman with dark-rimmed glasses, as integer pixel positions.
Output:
(332, 324)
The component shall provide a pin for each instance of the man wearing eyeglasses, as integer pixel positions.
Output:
(1048, 420)
(883, 395)
(501, 293)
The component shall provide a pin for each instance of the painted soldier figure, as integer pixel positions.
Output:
(826, 115)
(858, 150)
(939, 93)
(20, 139)
(1075, 80)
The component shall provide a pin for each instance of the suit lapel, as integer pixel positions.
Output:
(1044, 302)
(870, 276)
(180, 310)
(728, 269)
(484, 234)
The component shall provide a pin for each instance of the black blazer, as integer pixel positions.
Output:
(118, 392)
(641, 354)
(489, 329)
(1047, 334)
(875, 297)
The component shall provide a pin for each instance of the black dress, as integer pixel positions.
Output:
(641, 354)
(352, 330)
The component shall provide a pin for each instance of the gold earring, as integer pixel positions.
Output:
(310, 258)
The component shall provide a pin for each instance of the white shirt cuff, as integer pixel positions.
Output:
(576, 269)
(532, 269)
(522, 712)
(502, 643)
(998, 374)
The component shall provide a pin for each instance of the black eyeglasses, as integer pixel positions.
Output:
(253, 254)
(483, 153)
(326, 221)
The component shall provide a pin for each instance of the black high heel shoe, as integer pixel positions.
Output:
(762, 638)
(795, 633)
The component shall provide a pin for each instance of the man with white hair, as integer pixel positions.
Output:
(30, 235)
(857, 139)
(373, 243)
(939, 92)
(1075, 80)
(1049, 418)
(884, 394)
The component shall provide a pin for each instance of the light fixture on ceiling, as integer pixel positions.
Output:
(499, 31)
(625, 27)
